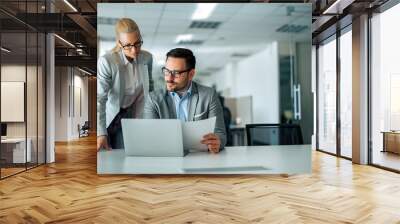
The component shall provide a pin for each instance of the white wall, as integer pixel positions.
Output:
(256, 76)
(61, 103)
(68, 81)
(80, 82)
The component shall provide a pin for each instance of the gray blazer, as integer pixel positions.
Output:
(111, 71)
(204, 103)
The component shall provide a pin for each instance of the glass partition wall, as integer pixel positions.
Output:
(327, 95)
(334, 94)
(22, 77)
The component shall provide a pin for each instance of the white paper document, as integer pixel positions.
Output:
(193, 132)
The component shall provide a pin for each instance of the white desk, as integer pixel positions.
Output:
(293, 159)
(18, 149)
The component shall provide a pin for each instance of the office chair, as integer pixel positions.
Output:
(274, 134)
(84, 130)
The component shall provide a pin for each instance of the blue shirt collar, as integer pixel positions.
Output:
(188, 91)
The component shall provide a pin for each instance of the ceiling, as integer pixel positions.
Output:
(245, 28)
(23, 23)
(161, 23)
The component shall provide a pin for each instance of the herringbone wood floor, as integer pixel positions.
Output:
(70, 191)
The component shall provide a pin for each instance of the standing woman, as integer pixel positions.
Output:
(123, 82)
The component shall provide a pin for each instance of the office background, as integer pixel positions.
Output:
(258, 56)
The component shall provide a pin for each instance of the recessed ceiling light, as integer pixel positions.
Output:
(84, 71)
(70, 5)
(64, 40)
(203, 10)
(5, 50)
(332, 8)
(184, 37)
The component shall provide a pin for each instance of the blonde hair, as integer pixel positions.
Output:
(124, 25)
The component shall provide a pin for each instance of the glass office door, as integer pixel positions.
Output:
(22, 67)
(327, 95)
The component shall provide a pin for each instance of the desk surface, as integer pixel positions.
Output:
(13, 140)
(391, 132)
(288, 159)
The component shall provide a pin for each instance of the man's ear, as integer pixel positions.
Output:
(192, 73)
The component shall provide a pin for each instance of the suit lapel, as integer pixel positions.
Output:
(171, 105)
(193, 102)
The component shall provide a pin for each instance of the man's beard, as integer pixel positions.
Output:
(178, 89)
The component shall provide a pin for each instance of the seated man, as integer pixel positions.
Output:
(186, 100)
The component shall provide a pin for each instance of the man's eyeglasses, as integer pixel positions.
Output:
(177, 74)
(130, 46)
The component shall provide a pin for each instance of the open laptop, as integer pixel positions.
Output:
(152, 137)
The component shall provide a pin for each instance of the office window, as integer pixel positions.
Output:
(385, 89)
(346, 93)
(327, 95)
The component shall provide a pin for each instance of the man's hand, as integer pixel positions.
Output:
(212, 141)
(102, 143)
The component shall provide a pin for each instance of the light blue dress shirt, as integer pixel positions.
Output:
(182, 103)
